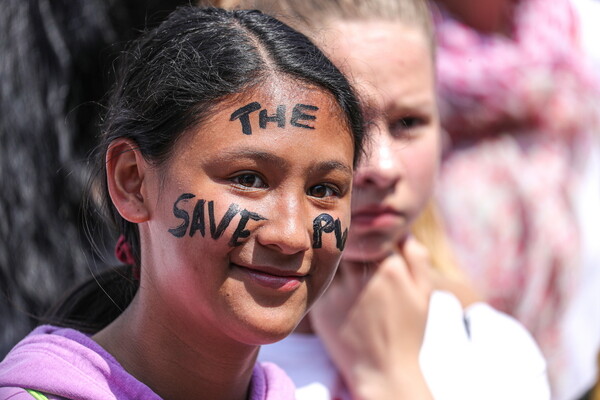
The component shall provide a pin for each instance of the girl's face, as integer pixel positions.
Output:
(249, 215)
(392, 68)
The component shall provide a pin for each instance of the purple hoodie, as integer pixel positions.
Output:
(65, 363)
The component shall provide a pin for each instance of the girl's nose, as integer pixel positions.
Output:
(288, 228)
(382, 167)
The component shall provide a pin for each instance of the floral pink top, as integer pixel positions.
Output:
(519, 112)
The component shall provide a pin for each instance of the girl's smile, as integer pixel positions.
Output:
(271, 277)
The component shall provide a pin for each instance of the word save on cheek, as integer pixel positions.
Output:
(198, 223)
(299, 113)
(326, 223)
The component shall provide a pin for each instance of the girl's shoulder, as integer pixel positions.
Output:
(269, 382)
(15, 393)
(70, 364)
(477, 323)
(482, 347)
(478, 326)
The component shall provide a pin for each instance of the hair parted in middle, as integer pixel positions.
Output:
(311, 16)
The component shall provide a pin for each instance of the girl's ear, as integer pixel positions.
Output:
(125, 171)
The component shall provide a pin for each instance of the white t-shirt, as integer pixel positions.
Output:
(476, 354)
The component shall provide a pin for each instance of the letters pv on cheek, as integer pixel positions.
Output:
(324, 223)
(299, 117)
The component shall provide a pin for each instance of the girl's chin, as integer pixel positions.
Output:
(366, 254)
(258, 335)
(372, 246)
(269, 325)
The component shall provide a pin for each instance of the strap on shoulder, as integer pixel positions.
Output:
(36, 395)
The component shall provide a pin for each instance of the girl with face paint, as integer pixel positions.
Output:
(228, 148)
(398, 306)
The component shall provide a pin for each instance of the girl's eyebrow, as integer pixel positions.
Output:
(256, 155)
(330, 165)
(282, 163)
(415, 102)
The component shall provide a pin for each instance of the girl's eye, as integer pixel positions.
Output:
(322, 191)
(411, 122)
(249, 181)
(404, 126)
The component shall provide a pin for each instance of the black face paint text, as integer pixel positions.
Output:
(198, 222)
(325, 223)
(299, 115)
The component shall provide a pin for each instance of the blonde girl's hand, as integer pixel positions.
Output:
(372, 321)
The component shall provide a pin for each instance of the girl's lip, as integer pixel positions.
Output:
(273, 278)
(379, 217)
(375, 211)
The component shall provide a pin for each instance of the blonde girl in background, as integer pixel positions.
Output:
(398, 302)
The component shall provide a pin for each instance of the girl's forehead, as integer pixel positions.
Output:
(387, 61)
(284, 112)
(283, 90)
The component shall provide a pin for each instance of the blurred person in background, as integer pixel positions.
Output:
(366, 337)
(54, 71)
(519, 105)
(582, 317)
(519, 182)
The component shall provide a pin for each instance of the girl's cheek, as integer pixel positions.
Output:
(217, 220)
(328, 228)
(423, 161)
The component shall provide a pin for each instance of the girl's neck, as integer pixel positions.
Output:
(174, 364)
(304, 326)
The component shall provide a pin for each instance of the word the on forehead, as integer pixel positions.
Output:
(299, 115)
(198, 220)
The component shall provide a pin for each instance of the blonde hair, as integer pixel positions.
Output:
(310, 17)
(429, 229)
